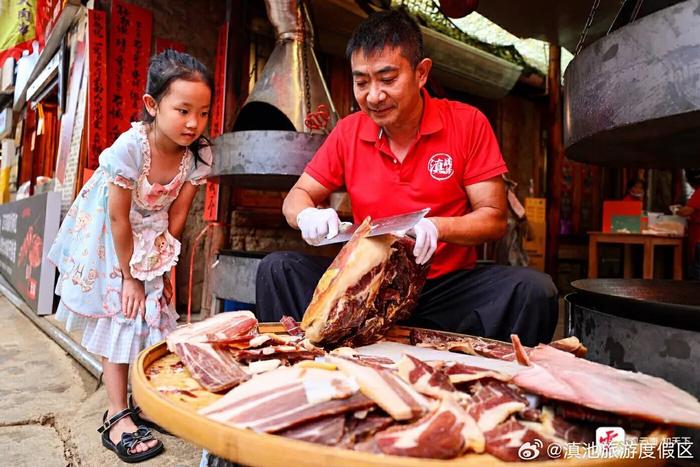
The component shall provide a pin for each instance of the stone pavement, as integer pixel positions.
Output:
(50, 408)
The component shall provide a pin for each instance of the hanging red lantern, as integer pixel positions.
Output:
(458, 8)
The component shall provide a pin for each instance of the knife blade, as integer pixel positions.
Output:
(384, 225)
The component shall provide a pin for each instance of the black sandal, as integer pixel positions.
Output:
(129, 440)
(139, 421)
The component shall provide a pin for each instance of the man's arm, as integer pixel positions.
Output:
(486, 221)
(306, 193)
(686, 211)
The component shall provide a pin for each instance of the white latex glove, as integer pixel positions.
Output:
(317, 224)
(426, 235)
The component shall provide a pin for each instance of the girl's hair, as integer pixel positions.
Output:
(167, 67)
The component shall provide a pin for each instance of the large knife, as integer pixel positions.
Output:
(385, 225)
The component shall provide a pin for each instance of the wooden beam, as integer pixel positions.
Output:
(555, 157)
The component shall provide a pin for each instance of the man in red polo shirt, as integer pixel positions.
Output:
(406, 151)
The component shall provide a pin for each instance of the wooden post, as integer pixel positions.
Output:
(236, 92)
(555, 157)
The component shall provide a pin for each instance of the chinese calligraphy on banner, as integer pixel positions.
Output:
(129, 52)
(211, 198)
(217, 112)
(97, 92)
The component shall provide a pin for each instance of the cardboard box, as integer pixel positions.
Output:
(620, 208)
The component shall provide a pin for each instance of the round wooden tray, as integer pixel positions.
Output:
(179, 416)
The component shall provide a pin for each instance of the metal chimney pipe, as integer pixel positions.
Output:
(291, 82)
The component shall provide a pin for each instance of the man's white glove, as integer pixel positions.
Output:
(317, 224)
(426, 235)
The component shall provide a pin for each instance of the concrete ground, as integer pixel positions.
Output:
(50, 407)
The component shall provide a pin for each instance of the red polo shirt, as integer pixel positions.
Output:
(456, 147)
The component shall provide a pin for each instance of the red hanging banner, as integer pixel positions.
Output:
(164, 44)
(129, 51)
(217, 111)
(97, 90)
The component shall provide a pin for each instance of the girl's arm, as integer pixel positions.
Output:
(180, 208)
(119, 206)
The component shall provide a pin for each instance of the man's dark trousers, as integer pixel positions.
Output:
(491, 300)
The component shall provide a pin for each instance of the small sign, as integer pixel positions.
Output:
(27, 230)
(535, 244)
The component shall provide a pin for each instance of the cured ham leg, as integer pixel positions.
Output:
(371, 284)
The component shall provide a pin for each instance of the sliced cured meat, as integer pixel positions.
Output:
(493, 402)
(562, 376)
(287, 397)
(385, 388)
(219, 328)
(557, 427)
(424, 378)
(371, 284)
(215, 369)
(507, 440)
(291, 326)
(470, 345)
(358, 430)
(473, 345)
(326, 430)
(520, 351)
(290, 353)
(571, 345)
(445, 433)
(461, 373)
(578, 412)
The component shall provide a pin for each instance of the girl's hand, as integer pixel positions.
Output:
(133, 298)
(167, 289)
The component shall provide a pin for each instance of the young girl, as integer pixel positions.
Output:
(135, 201)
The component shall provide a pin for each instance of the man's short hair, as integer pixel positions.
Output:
(392, 28)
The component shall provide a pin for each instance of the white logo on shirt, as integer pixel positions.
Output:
(440, 166)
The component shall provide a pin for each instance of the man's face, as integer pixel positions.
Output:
(386, 86)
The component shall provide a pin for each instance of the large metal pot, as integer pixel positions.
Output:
(650, 326)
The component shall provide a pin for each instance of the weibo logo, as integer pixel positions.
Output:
(440, 166)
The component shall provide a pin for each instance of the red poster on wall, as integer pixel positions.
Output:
(97, 90)
(217, 111)
(129, 51)
(164, 44)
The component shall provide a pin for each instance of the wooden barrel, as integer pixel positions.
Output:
(180, 417)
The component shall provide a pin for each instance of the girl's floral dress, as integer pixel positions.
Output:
(90, 279)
